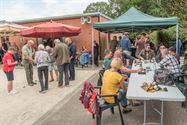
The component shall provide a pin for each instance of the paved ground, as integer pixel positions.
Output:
(29, 105)
(61, 106)
(73, 113)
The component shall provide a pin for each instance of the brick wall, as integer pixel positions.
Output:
(83, 39)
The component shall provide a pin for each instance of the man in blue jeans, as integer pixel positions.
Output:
(72, 52)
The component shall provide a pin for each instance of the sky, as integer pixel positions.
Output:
(12, 10)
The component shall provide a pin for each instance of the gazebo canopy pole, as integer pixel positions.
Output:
(92, 47)
(108, 41)
(177, 39)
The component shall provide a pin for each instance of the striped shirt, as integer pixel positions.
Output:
(171, 63)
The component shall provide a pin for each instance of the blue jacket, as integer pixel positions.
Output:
(72, 50)
(125, 43)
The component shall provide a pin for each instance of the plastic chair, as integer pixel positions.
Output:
(180, 83)
(104, 106)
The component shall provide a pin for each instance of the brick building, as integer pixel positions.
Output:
(84, 21)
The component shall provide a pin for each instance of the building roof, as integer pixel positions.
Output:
(72, 16)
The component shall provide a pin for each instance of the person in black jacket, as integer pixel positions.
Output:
(96, 53)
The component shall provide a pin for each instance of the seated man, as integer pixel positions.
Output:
(170, 61)
(147, 53)
(113, 83)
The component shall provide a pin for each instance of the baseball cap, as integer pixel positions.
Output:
(173, 49)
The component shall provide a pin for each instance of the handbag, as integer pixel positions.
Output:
(163, 76)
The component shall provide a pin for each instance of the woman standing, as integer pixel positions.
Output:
(8, 68)
(42, 60)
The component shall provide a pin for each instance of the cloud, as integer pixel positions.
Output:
(19, 9)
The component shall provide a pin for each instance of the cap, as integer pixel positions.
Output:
(173, 49)
(126, 33)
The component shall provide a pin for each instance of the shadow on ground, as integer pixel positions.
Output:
(73, 113)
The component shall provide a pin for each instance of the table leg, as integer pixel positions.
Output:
(162, 112)
(145, 112)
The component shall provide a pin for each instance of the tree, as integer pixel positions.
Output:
(101, 7)
(161, 8)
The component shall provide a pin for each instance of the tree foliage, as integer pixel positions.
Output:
(101, 7)
(160, 8)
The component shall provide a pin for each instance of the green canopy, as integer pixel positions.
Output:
(135, 20)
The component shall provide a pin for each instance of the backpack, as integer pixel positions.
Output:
(163, 76)
(86, 94)
(93, 104)
(88, 98)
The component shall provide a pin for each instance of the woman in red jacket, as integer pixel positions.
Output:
(8, 68)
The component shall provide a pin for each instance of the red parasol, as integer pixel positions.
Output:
(51, 30)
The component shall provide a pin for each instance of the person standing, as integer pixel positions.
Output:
(1, 52)
(5, 46)
(8, 68)
(61, 56)
(52, 66)
(27, 61)
(72, 51)
(42, 60)
(113, 44)
(96, 53)
(125, 44)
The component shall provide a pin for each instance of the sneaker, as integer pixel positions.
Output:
(13, 92)
(34, 83)
(126, 110)
(51, 80)
(30, 84)
(42, 91)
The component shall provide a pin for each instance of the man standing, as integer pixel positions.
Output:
(125, 44)
(72, 51)
(113, 44)
(96, 53)
(27, 61)
(61, 56)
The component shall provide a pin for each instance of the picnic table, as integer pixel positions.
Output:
(136, 92)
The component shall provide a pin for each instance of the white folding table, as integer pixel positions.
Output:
(136, 92)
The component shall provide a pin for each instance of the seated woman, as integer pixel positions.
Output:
(113, 83)
(84, 49)
(147, 53)
(84, 57)
(163, 51)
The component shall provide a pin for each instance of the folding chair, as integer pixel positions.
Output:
(180, 83)
(104, 106)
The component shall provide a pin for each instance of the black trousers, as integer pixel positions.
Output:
(43, 73)
(96, 60)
